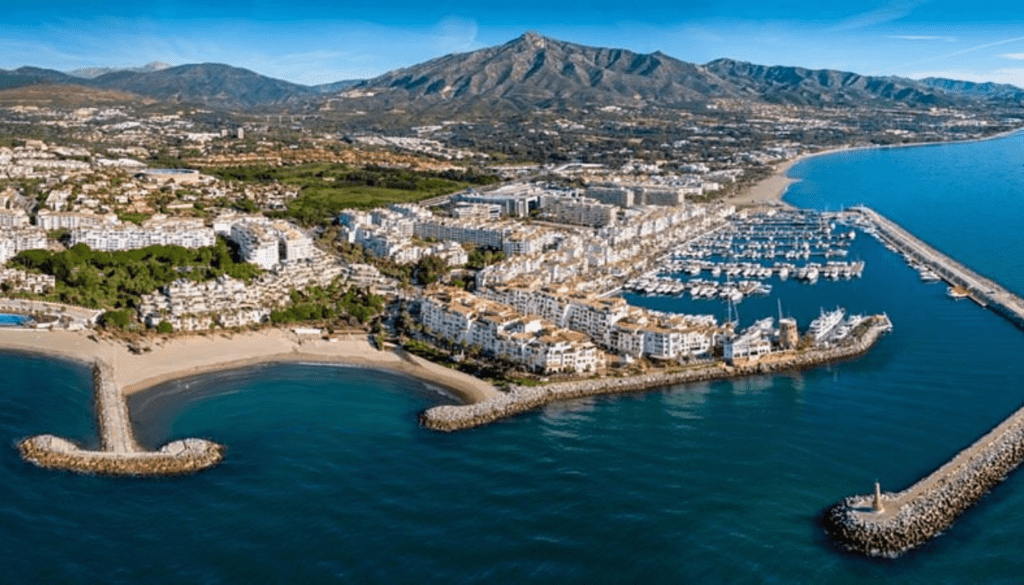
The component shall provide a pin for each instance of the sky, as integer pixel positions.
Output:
(312, 42)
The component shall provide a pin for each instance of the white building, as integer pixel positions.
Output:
(257, 244)
(54, 220)
(10, 218)
(157, 231)
(500, 331)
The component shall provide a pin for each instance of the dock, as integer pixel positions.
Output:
(891, 523)
(982, 290)
(119, 454)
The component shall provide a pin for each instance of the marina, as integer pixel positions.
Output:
(736, 261)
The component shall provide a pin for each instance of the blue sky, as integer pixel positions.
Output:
(316, 42)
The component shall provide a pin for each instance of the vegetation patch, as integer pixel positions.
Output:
(116, 280)
(327, 188)
(329, 304)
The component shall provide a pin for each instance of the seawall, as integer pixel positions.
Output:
(912, 516)
(175, 458)
(982, 290)
(521, 399)
(906, 519)
(119, 455)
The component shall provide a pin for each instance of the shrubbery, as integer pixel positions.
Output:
(326, 304)
(117, 279)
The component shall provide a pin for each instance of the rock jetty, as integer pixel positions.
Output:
(175, 458)
(120, 454)
(907, 519)
(520, 399)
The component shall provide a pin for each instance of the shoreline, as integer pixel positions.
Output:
(771, 190)
(185, 357)
(523, 399)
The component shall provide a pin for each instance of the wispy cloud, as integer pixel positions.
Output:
(455, 34)
(888, 12)
(922, 38)
(1018, 56)
(963, 51)
(310, 52)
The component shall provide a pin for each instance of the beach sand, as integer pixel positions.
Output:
(769, 191)
(180, 357)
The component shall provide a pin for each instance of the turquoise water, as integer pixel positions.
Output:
(12, 320)
(328, 477)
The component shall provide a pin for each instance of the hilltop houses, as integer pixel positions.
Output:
(226, 302)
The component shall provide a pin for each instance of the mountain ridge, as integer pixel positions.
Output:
(533, 72)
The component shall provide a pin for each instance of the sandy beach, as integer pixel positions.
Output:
(180, 357)
(769, 191)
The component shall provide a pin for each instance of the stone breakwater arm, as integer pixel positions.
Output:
(120, 454)
(111, 412)
(522, 399)
(985, 291)
(911, 517)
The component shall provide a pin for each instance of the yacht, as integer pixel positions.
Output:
(957, 292)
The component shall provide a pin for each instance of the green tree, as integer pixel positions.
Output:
(430, 269)
(116, 319)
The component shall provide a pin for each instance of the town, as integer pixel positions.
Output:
(519, 273)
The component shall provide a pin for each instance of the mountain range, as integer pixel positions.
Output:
(533, 72)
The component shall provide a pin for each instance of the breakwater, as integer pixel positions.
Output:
(983, 291)
(119, 453)
(521, 399)
(908, 518)
(899, 521)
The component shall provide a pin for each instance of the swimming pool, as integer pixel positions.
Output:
(7, 320)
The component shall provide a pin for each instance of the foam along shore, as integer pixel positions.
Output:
(522, 399)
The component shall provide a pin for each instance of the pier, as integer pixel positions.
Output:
(119, 454)
(983, 291)
(888, 524)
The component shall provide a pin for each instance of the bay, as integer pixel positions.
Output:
(328, 476)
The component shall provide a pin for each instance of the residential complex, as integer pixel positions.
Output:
(156, 231)
(226, 302)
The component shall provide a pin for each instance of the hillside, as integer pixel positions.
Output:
(825, 87)
(208, 84)
(529, 73)
(533, 71)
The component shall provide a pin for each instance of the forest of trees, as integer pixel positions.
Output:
(116, 280)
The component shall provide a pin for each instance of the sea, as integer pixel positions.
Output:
(329, 478)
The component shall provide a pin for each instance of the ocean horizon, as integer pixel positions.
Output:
(328, 475)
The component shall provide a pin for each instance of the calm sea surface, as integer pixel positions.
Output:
(328, 476)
